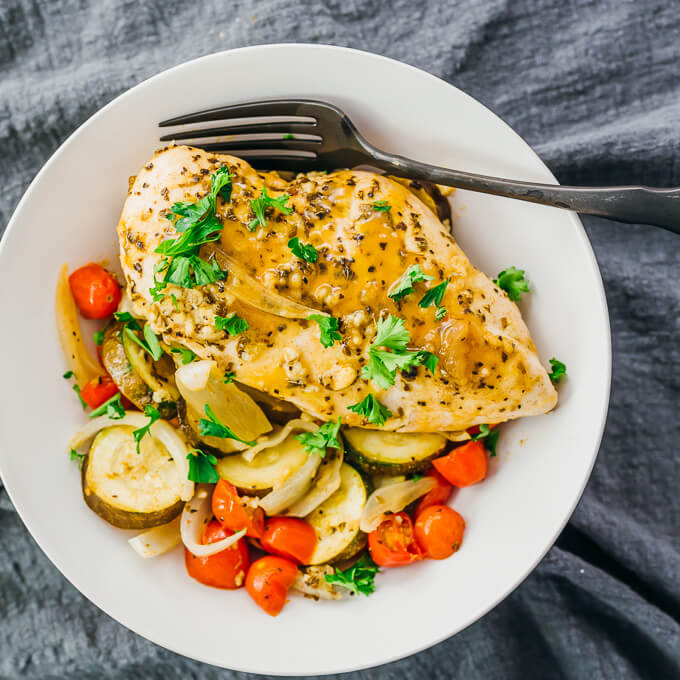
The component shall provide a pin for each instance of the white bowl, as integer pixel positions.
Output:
(68, 215)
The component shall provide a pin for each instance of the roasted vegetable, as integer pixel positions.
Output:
(277, 410)
(128, 489)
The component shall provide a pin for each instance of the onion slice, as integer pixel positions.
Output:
(278, 436)
(158, 540)
(310, 582)
(392, 498)
(195, 375)
(165, 433)
(78, 358)
(293, 488)
(249, 290)
(458, 436)
(326, 483)
(196, 514)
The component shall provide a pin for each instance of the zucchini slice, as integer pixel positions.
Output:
(394, 453)
(270, 468)
(336, 520)
(128, 489)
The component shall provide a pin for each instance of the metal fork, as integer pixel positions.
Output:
(304, 134)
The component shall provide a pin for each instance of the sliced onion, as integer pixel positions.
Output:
(326, 483)
(195, 375)
(385, 480)
(293, 488)
(78, 358)
(158, 540)
(165, 433)
(311, 582)
(459, 436)
(278, 436)
(196, 514)
(392, 498)
(249, 290)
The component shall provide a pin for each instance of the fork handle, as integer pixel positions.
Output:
(632, 204)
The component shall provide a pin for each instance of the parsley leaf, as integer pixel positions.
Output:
(153, 414)
(328, 329)
(68, 374)
(403, 286)
(325, 436)
(174, 300)
(259, 207)
(559, 370)
(186, 355)
(513, 282)
(111, 408)
(416, 476)
(489, 436)
(305, 251)
(98, 337)
(228, 377)
(391, 333)
(429, 360)
(359, 578)
(150, 343)
(434, 295)
(214, 428)
(381, 206)
(232, 324)
(202, 467)
(372, 410)
(128, 320)
(440, 313)
(76, 389)
(289, 135)
(79, 457)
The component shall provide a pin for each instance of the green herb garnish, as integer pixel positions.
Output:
(232, 324)
(358, 579)
(434, 295)
(513, 282)
(325, 436)
(78, 457)
(214, 428)
(305, 251)
(228, 377)
(150, 343)
(372, 410)
(186, 355)
(403, 286)
(259, 207)
(76, 389)
(153, 414)
(440, 313)
(68, 374)
(328, 329)
(489, 436)
(559, 370)
(111, 408)
(381, 206)
(98, 337)
(128, 320)
(202, 467)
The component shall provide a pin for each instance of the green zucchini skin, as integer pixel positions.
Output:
(378, 461)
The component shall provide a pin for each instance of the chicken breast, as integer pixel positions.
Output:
(487, 372)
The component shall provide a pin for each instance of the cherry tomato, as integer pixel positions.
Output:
(439, 531)
(268, 582)
(465, 465)
(392, 544)
(440, 494)
(226, 569)
(233, 512)
(289, 537)
(98, 390)
(95, 291)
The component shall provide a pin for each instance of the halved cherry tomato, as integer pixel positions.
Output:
(95, 291)
(438, 495)
(226, 569)
(392, 544)
(233, 512)
(465, 465)
(439, 531)
(289, 537)
(98, 390)
(268, 582)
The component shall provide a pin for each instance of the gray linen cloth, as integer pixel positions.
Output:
(595, 88)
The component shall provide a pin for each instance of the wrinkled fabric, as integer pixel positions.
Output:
(594, 86)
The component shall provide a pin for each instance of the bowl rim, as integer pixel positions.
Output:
(579, 229)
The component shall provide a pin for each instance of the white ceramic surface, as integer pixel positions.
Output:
(68, 215)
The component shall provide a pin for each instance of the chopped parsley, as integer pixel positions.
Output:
(403, 286)
(228, 377)
(434, 295)
(289, 135)
(259, 207)
(153, 414)
(358, 579)
(212, 427)
(79, 457)
(559, 370)
(232, 324)
(328, 329)
(111, 408)
(513, 282)
(76, 389)
(68, 374)
(128, 320)
(372, 410)
(416, 476)
(202, 467)
(150, 343)
(325, 436)
(489, 436)
(186, 355)
(440, 313)
(381, 206)
(98, 337)
(305, 251)
(174, 300)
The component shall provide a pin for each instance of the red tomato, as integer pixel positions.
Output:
(234, 513)
(95, 291)
(465, 465)
(268, 582)
(289, 537)
(439, 531)
(226, 569)
(98, 390)
(439, 495)
(392, 544)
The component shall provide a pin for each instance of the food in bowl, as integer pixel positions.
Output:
(299, 373)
